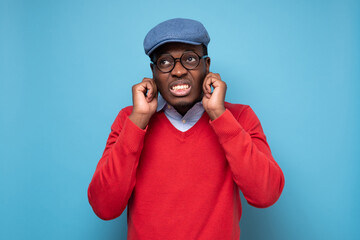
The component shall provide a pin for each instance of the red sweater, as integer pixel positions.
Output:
(185, 185)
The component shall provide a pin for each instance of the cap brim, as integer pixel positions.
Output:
(170, 41)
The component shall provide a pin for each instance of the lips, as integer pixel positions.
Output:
(180, 88)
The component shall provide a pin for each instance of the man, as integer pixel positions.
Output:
(179, 159)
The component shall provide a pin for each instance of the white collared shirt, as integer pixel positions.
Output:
(182, 123)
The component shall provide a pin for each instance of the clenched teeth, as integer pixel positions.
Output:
(178, 87)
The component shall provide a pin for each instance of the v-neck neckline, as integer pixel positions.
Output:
(197, 125)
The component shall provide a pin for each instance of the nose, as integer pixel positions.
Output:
(178, 70)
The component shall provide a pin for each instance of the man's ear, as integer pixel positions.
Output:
(152, 67)
(207, 63)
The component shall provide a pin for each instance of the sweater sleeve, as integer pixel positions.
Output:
(115, 174)
(254, 169)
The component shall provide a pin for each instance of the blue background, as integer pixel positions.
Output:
(67, 67)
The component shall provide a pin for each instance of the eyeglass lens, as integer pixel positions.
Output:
(166, 62)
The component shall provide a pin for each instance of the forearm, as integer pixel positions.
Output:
(254, 170)
(115, 175)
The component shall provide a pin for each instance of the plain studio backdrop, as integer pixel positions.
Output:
(67, 67)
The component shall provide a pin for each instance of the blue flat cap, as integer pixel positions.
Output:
(176, 30)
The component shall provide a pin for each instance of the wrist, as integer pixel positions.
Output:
(214, 114)
(141, 120)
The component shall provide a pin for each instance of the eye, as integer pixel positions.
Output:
(190, 59)
(163, 62)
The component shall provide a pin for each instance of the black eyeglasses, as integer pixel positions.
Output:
(189, 60)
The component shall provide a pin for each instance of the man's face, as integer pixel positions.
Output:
(180, 87)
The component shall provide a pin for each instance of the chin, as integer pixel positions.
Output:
(184, 104)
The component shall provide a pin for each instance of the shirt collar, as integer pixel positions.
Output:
(196, 110)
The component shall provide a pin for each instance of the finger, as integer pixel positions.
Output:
(207, 93)
(210, 80)
(207, 85)
(147, 87)
(151, 90)
(140, 87)
(216, 80)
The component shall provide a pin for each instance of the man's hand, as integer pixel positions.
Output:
(144, 102)
(213, 102)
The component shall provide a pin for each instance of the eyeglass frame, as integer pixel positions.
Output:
(179, 60)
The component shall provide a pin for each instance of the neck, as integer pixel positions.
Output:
(183, 109)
